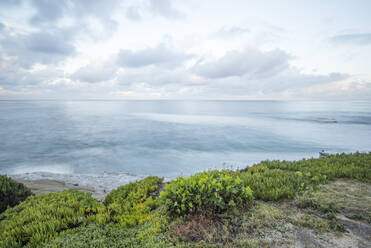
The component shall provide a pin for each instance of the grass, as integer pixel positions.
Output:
(317, 223)
(348, 197)
(264, 216)
(110, 236)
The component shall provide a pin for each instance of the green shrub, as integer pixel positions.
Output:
(274, 184)
(274, 180)
(131, 204)
(352, 166)
(40, 218)
(11, 193)
(215, 191)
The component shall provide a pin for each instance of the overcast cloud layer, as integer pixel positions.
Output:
(162, 49)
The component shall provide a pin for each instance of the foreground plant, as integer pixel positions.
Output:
(213, 191)
(275, 180)
(131, 204)
(40, 218)
(274, 184)
(11, 193)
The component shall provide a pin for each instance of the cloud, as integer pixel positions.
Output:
(56, 28)
(294, 79)
(165, 8)
(334, 90)
(154, 76)
(357, 39)
(39, 47)
(95, 73)
(45, 45)
(10, 2)
(160, 55)
(48, 43)
(133, 13)
(150, 8)
(87, 17)
(252, 62)
(289, 79)
(226, 32)
(14, 77)
(48, 11)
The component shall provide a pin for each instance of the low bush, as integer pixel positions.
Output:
(11, 193)
(213, 191)
(274, 180)
(40, 218)
(353, 166)
(274, 184)
(132, 203)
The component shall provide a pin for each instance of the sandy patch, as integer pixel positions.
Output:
(46, 186)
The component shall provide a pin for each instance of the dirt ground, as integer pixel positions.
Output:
(349, 227)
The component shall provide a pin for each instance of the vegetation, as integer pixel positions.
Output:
(213, 191)
(274, 184)
(40, 218)
(11, 193)
(208, 209)
(344, 196)
(109, 236)
(353, 166)
(131, 204)
(274, 180)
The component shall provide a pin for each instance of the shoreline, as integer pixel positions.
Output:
(41, 186)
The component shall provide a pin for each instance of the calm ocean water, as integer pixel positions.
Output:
(108, 143)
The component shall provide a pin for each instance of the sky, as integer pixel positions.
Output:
(162, 49)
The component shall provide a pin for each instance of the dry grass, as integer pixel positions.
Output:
(348, 197)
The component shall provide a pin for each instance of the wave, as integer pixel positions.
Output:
(52, 168)
(254, 119)
(358, 120)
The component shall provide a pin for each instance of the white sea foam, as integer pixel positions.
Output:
(51, 168)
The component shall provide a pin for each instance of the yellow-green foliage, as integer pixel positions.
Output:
(215, 191)
(40, 218)
(11, 192)
(353, 166)
(274, 184)
(131, 204)
(110, 236)
(274, 180)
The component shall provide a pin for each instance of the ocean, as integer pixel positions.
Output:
(105, 144)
